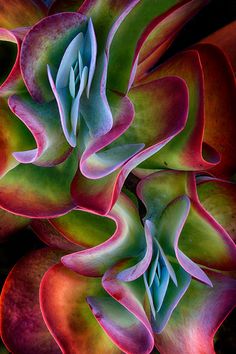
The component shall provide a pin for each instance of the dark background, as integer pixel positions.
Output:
(214, 16)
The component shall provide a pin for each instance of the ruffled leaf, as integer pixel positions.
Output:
(128, 240)
(67, 314)
(123, 55)
(10, 78)
(83, 228)
(160, 34)
(219, 107)
(14, 136)
(188, 151)
(202, 239)
(99, 195)
(200, 312)
(40, 192)
(125, 321)
(44, 45)
(43, 122)
(51, 236)
(224, 38)
(219, 199)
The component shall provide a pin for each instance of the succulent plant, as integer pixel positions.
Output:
(85, 103)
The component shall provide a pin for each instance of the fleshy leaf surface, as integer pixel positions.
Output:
(44, 45)
(22, 325)
(39, 192)
(127, 240)
(197, 317)
(43, 122)
(202, 239)
(160, 128)
(67, 314)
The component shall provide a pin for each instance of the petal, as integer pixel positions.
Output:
(40, 192)
(123, 55)
(14, 136)
(194, 322)
(127, 241)
(30, 12)
(202, 239)
(43, 122)
(12, 82)
(100, 195)
(44, 45)
(188, 151)
(52, 237)
(22, 326)
(219, 106)
(67, 314)
(10, 223)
